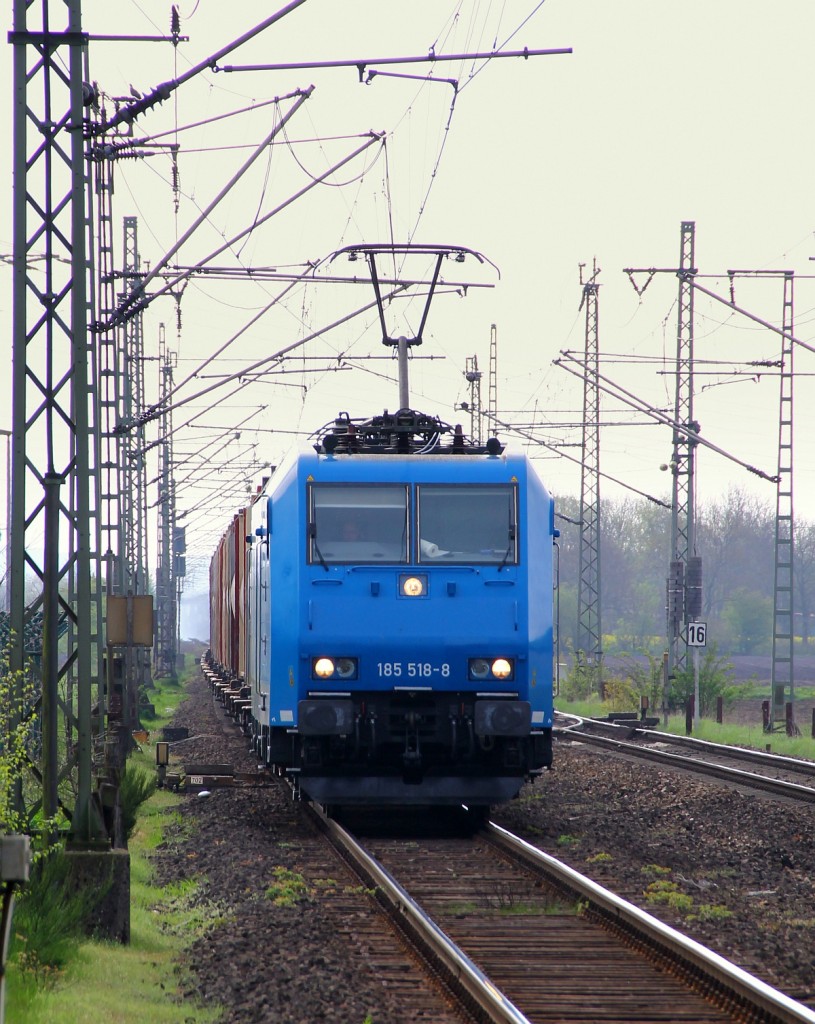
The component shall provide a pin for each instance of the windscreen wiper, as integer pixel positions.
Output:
(312, 532)
(510, 546)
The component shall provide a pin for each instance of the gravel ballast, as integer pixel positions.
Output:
(733, 870)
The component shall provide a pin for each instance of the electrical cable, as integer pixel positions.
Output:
(571, 458)
(157, 410)
(137, 298)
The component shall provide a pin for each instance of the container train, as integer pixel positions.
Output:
(384, 607)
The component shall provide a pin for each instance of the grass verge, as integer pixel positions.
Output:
(752, 736)
(747, 736)
(126, 984)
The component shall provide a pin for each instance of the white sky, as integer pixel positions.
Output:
(664, 112)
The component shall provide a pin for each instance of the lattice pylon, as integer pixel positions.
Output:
(54, 471)
(783, 679)
(683, 539)
(590, 637)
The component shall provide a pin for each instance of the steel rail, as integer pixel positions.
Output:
(683, 951)
(744, 986)
(462, 973)
(780, 761)
(719, 771)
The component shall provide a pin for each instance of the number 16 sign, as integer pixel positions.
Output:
(697, 634)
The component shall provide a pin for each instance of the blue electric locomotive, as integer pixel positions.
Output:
(397, 616)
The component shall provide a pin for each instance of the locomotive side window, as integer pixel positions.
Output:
(358, 523)
(472, 524)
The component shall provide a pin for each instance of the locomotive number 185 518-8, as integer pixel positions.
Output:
(412, 669)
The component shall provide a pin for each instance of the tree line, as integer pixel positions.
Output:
(735, 538)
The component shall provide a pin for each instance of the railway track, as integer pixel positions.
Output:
(526, 946)
(519, 937)
(786, 777)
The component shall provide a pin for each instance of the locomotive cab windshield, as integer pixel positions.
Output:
(358, 523)
(456, 524)
(470, 524)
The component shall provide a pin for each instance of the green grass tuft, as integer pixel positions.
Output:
(655, 869)
(288, 889)
(710, 912)
(668, 893)
(48, 918)
(135, 786)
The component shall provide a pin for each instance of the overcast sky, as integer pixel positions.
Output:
(664, 112)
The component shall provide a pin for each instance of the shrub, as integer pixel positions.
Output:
(19, 738)
(580, 682)
(646, 680)
(715, 680)
(619, 694)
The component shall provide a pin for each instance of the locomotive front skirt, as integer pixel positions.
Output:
(390, 616)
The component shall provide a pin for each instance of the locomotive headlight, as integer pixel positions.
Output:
(346, 668)
(502, 668)
(479, 668)
(323, 668)
(413, 586)
(334, 668)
